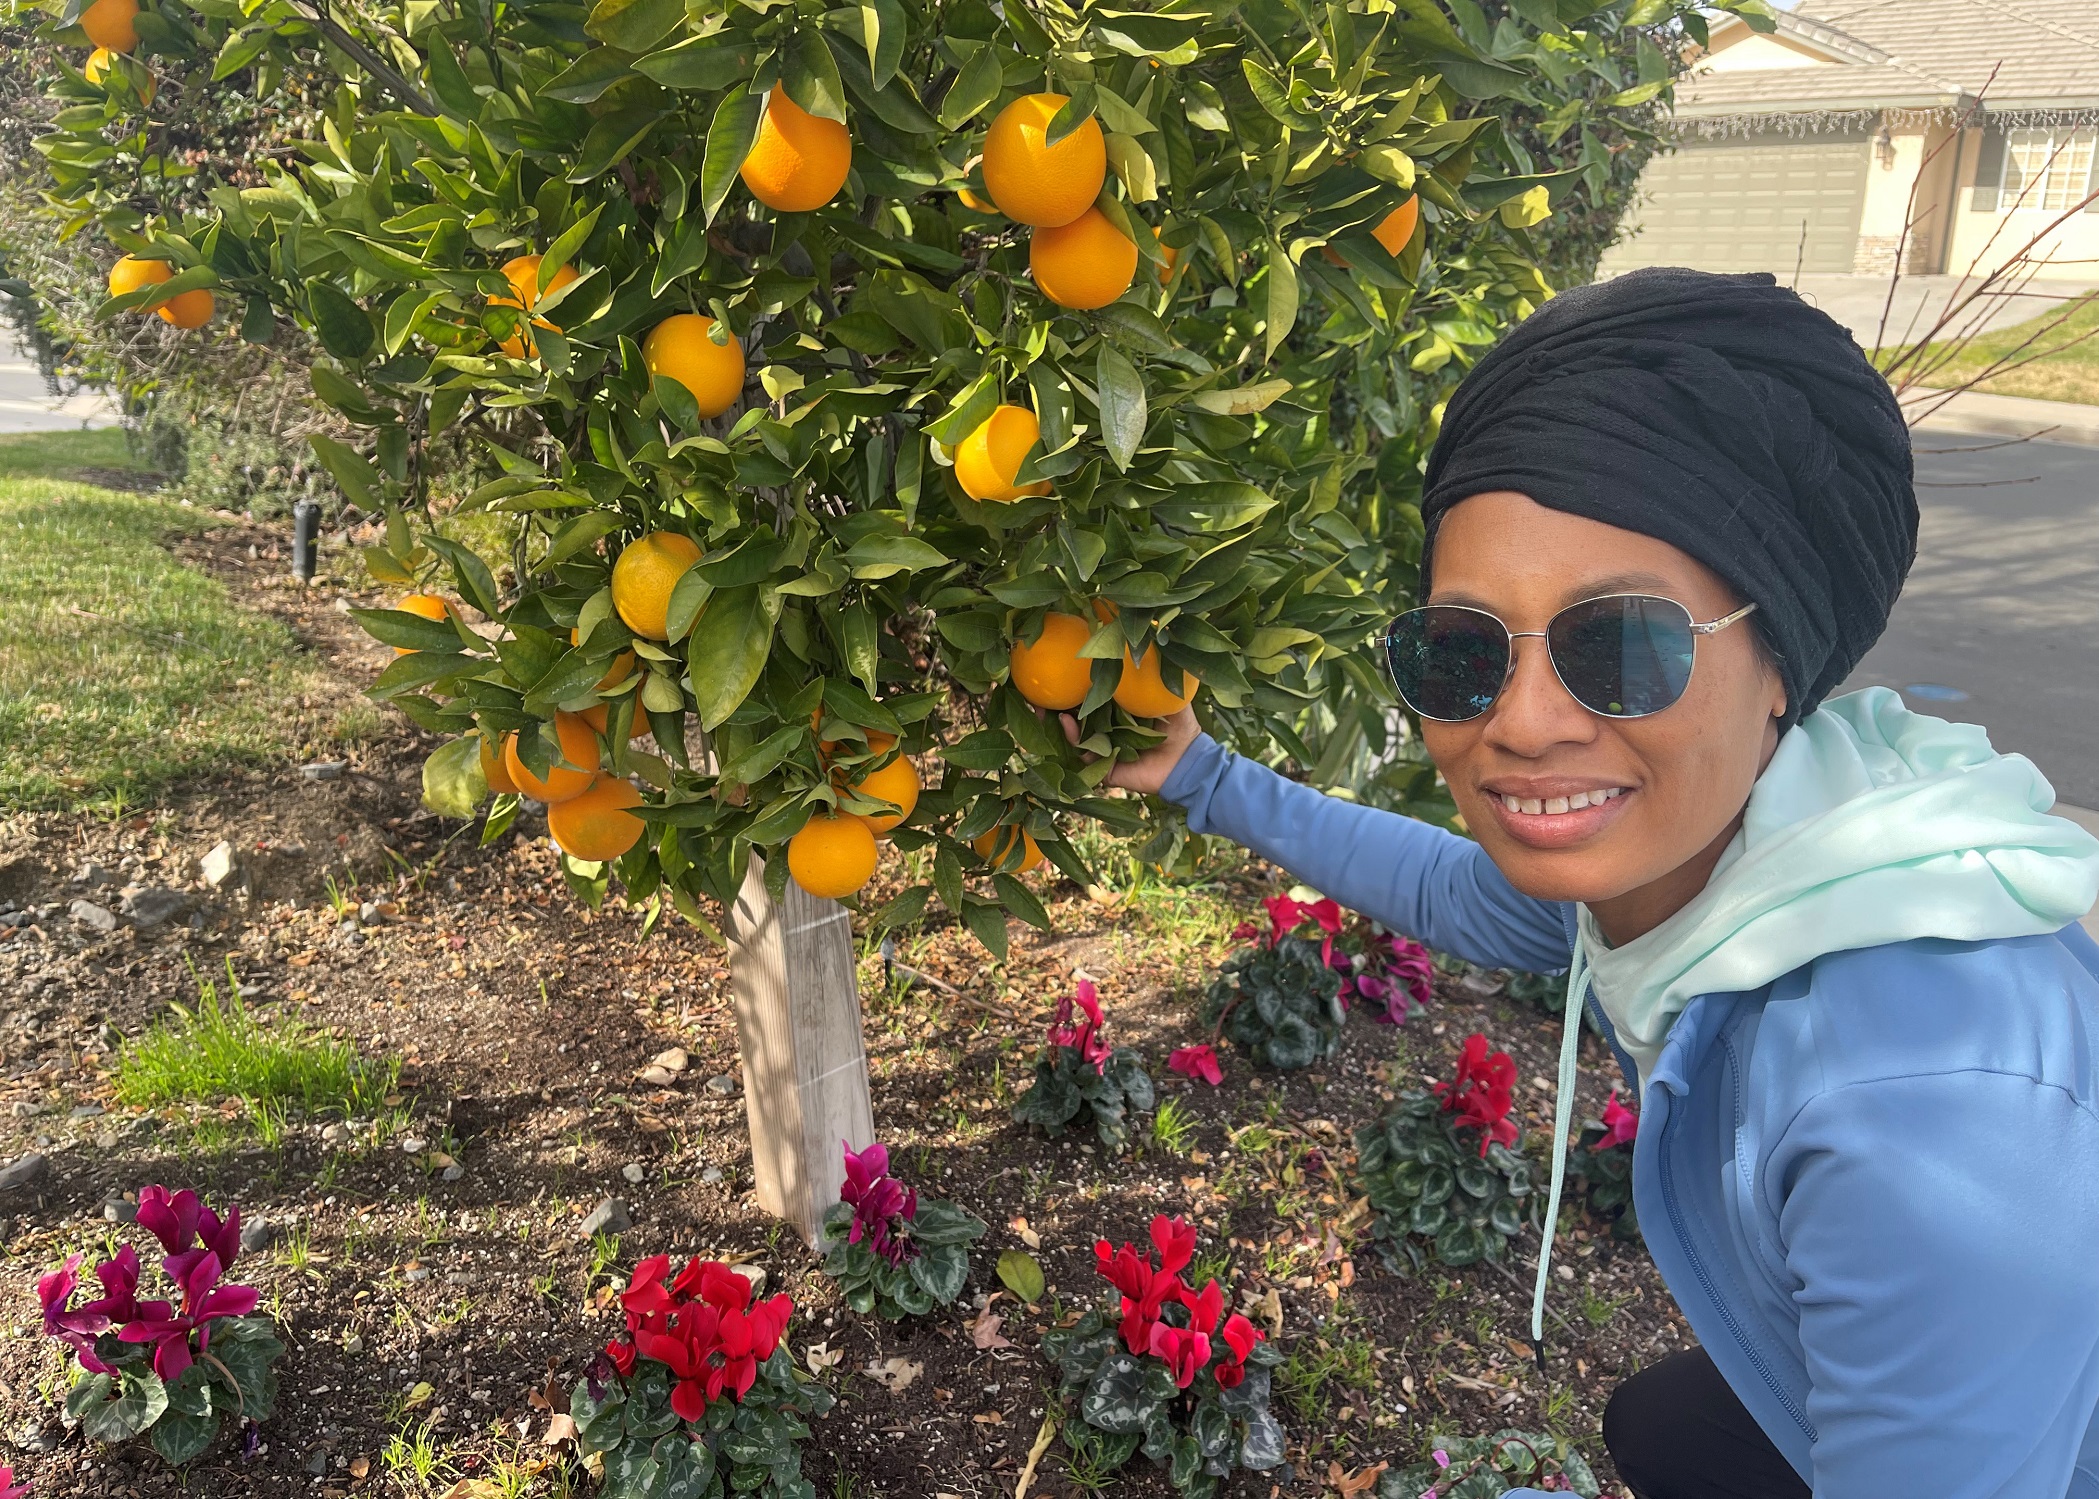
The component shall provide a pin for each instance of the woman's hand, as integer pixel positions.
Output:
(1149, 771)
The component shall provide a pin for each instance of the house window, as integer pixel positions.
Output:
(2046, 169)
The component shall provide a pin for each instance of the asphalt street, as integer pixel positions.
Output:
(2002, 608)
(27, 405)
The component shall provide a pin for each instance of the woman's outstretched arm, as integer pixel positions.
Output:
(1416, 879)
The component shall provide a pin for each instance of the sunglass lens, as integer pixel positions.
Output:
(1624, 657)
(1448, 663)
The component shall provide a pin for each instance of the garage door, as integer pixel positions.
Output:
(1765, 203)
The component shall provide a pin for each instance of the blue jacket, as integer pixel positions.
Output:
(1872, 1185)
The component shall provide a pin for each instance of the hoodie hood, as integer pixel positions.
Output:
(1872, 824)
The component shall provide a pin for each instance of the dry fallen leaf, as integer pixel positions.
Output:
(989, 1418)
(1352, 1484)
(561, 1428)
(984, 1332)
(895, 1374)
(360, 1468)
(820, 1357)
(1028, 1236)
(420, 1395)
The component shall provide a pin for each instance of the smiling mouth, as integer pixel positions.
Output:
(1555, 806)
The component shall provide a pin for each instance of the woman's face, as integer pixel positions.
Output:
(1682, 776)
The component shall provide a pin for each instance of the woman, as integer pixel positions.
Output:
(1833, 943)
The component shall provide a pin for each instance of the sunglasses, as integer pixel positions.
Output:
(1624, 655)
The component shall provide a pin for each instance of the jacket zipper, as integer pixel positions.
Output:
(1705, 1283)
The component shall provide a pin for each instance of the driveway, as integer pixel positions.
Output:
(1858, 301)
(1999, 624)
(27, 405)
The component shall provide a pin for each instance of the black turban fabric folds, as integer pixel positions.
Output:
(1720, 414)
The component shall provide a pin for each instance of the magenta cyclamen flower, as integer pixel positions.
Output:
(881, 1204)
(180, 1221)
(1407, 980)
(204, 1301)
(76, 1329)
(1084, 1037)
(9, 1489)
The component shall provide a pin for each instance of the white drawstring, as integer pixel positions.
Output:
(1563, 1117)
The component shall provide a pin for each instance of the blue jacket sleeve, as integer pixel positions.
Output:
(1420, 880)
(1946, 1282)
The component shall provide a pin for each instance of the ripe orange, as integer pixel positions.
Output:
(972, 201)
(1084, 264)
(1051, 673)
(523, 276)
(987, 460)
(1143, 692)
(1005, 855)
(895, 782)
(493, 770)
(188, 309)
(1397, 227)
(644, 576)
(597, 824)
(599, 717)
(833, 855)
(877, 742)
(621, 668)
(108, 23)
(799, 160)
(579, 747)
(96, 68)
(131, 273)
(425, 605)
(678, 348)
(1169, 257)
(1036, 183)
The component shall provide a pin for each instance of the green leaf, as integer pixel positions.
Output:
(345, 328)
(729, 138)
(1021, 1273)
(728, 649)
(810, 76)
(708, 63)
(180, 1437)
(879, 556)
(350, 469)
(978, 84)
(633, 25)
(565, 246)
(1122, 405)
(586, 79)
(1078, 109)
(1281, 310)
(453, 785)
(141, 1400)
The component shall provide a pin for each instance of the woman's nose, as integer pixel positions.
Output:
(1535, 711)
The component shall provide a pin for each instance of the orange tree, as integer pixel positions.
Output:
(865, 379)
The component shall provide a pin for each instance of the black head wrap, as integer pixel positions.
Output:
(1720, 414)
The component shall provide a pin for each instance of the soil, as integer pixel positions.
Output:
(418, 1297)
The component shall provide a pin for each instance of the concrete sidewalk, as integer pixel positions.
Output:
(1986, 415)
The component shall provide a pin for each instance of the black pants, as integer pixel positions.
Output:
(1676, 1431)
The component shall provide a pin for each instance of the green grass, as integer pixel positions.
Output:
(222, 1049)
(173, 680)
(2061, 374)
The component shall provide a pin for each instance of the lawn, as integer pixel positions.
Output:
(2072, 374)
(120, 668)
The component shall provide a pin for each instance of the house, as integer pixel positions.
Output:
(1799, 149)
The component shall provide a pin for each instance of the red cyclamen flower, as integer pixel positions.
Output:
(1621, 1125)
(702, 1327)
(1483, 1093)
(1198, 1061)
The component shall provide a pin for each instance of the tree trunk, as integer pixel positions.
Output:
(804, 1063)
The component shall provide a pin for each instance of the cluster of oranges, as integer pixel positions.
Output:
(112, 26)
(1052, 674)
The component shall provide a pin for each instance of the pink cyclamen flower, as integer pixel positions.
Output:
(1620, 1124)
(204, 1300)
(881, 1205)
(1412, 967)
(1198, 1061)
(76, 1329)
(9, 1489)
(188, 1230)
(1084, 1037)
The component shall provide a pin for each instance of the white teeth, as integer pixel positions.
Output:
(1555, 805)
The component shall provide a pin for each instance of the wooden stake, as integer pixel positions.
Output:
(804, 1063)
